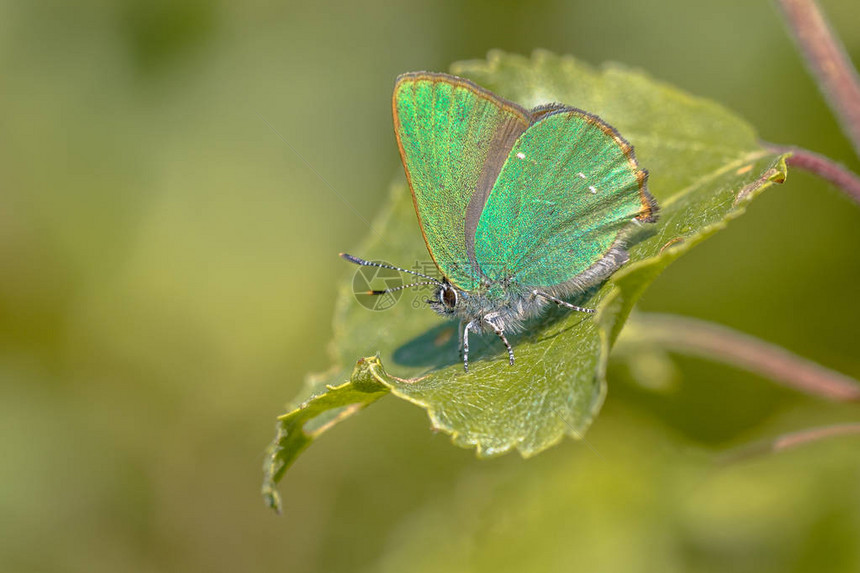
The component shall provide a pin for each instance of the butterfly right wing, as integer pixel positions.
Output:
(454, 138)
(570, 191)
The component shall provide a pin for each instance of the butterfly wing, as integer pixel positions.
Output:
(567, 192)
(454, 138)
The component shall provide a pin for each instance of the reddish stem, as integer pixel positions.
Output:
(716, 342)
(789, 441)
(827, 61)
(825, 168)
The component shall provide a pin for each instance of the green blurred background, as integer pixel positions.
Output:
(169, 269)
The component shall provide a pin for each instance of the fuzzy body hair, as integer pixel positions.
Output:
(507, 305)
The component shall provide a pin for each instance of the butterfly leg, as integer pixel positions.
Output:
(469, 325)
(560, 302)
(501, 334)
(460, 331)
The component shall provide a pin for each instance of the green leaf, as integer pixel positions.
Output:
(705, 164)
(326, 406)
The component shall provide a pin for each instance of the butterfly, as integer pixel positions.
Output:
(519, 208)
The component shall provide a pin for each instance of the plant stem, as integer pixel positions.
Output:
(827, 61)
(789, 441)
(823, 167)
(716, 342)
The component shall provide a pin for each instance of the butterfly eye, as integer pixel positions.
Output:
(448, 297)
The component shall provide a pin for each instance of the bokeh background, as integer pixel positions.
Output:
(169, 269)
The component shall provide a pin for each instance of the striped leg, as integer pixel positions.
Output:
(501, 334)
(560, 302)
(460, 331)
(466, 329)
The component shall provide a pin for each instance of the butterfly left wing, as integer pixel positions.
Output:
(566, 194)
(454, 138)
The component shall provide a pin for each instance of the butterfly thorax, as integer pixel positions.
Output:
(491, 306)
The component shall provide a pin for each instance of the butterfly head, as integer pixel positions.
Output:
(446, 299)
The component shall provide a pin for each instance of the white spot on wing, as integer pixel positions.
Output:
(592, 189)
(581, 174)
(521, 155)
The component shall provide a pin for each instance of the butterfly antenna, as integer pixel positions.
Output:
(388, 290)
(363, 263)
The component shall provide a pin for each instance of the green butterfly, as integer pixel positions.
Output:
(519, 208)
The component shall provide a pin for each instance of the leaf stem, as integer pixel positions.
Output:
(824, 167)
(827, 61)
(716, 342)
(788, 442)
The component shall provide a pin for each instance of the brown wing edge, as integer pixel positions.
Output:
(617, 255)
(650, 209)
